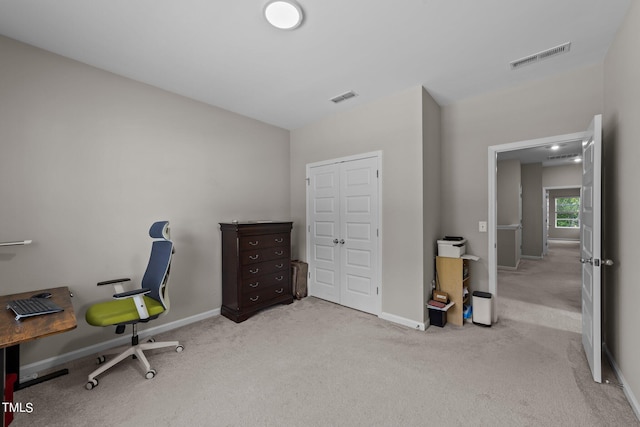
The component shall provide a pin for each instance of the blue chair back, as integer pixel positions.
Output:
(156, 277)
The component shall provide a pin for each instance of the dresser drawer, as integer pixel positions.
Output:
(264, 241)
(263, 296)
(278, 279)
(252, 271)
(260, 255)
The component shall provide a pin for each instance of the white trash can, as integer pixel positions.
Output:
(482, 308)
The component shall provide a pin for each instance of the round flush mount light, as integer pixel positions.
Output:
(285, 15)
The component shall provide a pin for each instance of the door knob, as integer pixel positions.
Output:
(335, 241)
(607, 262)
(342, 241)
(586, 261)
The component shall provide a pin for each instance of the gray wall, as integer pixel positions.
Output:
(89, 160)
(431, 185)
(558, 105)
(508, 192)
(532, 219)
(621, 123)
(562, 176)
(394, 125)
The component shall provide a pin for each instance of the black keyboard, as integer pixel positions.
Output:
(32, 307)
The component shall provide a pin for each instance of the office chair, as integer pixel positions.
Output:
(140, 305)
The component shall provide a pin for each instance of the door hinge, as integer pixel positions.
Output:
(308, 229)
(377, 232)
(377, 291)
(308, 180)
(377, 173)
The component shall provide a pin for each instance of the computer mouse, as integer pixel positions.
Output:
(42, 295)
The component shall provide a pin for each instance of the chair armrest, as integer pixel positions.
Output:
(111, 282)
(138, 300)
(129, 294)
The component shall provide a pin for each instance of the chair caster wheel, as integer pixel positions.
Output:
(151, 340)
(179, 349)
(150, 374)
(91, 384)
(100, 360)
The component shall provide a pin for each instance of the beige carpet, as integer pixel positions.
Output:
(314, 363)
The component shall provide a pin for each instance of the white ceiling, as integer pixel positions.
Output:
(223, 53)
(566, 153)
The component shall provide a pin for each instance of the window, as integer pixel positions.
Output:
(567, 212)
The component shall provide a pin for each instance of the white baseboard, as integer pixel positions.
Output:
(30, 371)
(625, 385)
(403, 321)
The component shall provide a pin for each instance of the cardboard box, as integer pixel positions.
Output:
(440, 296)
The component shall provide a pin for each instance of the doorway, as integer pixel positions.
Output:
(507, 151)
(590, 229)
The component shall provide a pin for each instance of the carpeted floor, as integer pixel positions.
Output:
(314, 363)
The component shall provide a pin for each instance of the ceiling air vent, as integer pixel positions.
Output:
(563, 48)
(344, 96)
(563, 156)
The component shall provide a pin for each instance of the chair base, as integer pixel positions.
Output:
(124, 352)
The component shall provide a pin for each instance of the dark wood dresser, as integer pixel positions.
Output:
(256, 267)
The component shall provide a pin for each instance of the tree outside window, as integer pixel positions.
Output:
(567, 212)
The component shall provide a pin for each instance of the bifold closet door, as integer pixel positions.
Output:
(344, 217)
(324, 215)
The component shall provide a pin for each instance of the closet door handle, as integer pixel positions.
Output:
(335, 241)
(342, 241)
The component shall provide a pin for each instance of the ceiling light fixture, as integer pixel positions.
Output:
(555, 147)
(285, 15)
(577, 160)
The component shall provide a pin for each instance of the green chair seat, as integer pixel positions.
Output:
(116, 312)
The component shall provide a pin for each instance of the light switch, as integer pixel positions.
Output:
(482, 226)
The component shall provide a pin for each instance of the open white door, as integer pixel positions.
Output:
(590, 242)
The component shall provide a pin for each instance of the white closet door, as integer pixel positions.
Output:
(324, 221)
(343, 215)
(358, 239)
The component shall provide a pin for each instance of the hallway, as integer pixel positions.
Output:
(544, 291)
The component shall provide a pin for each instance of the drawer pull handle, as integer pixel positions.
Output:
(254, 285)
(280, 240)
(254, 271)
(254, 299)
(279, 253)
(279, 291)
(279, 265)
(279, 278)
(253, 243)
(254, 257)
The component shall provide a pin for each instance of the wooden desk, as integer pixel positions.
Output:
(13, 333)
